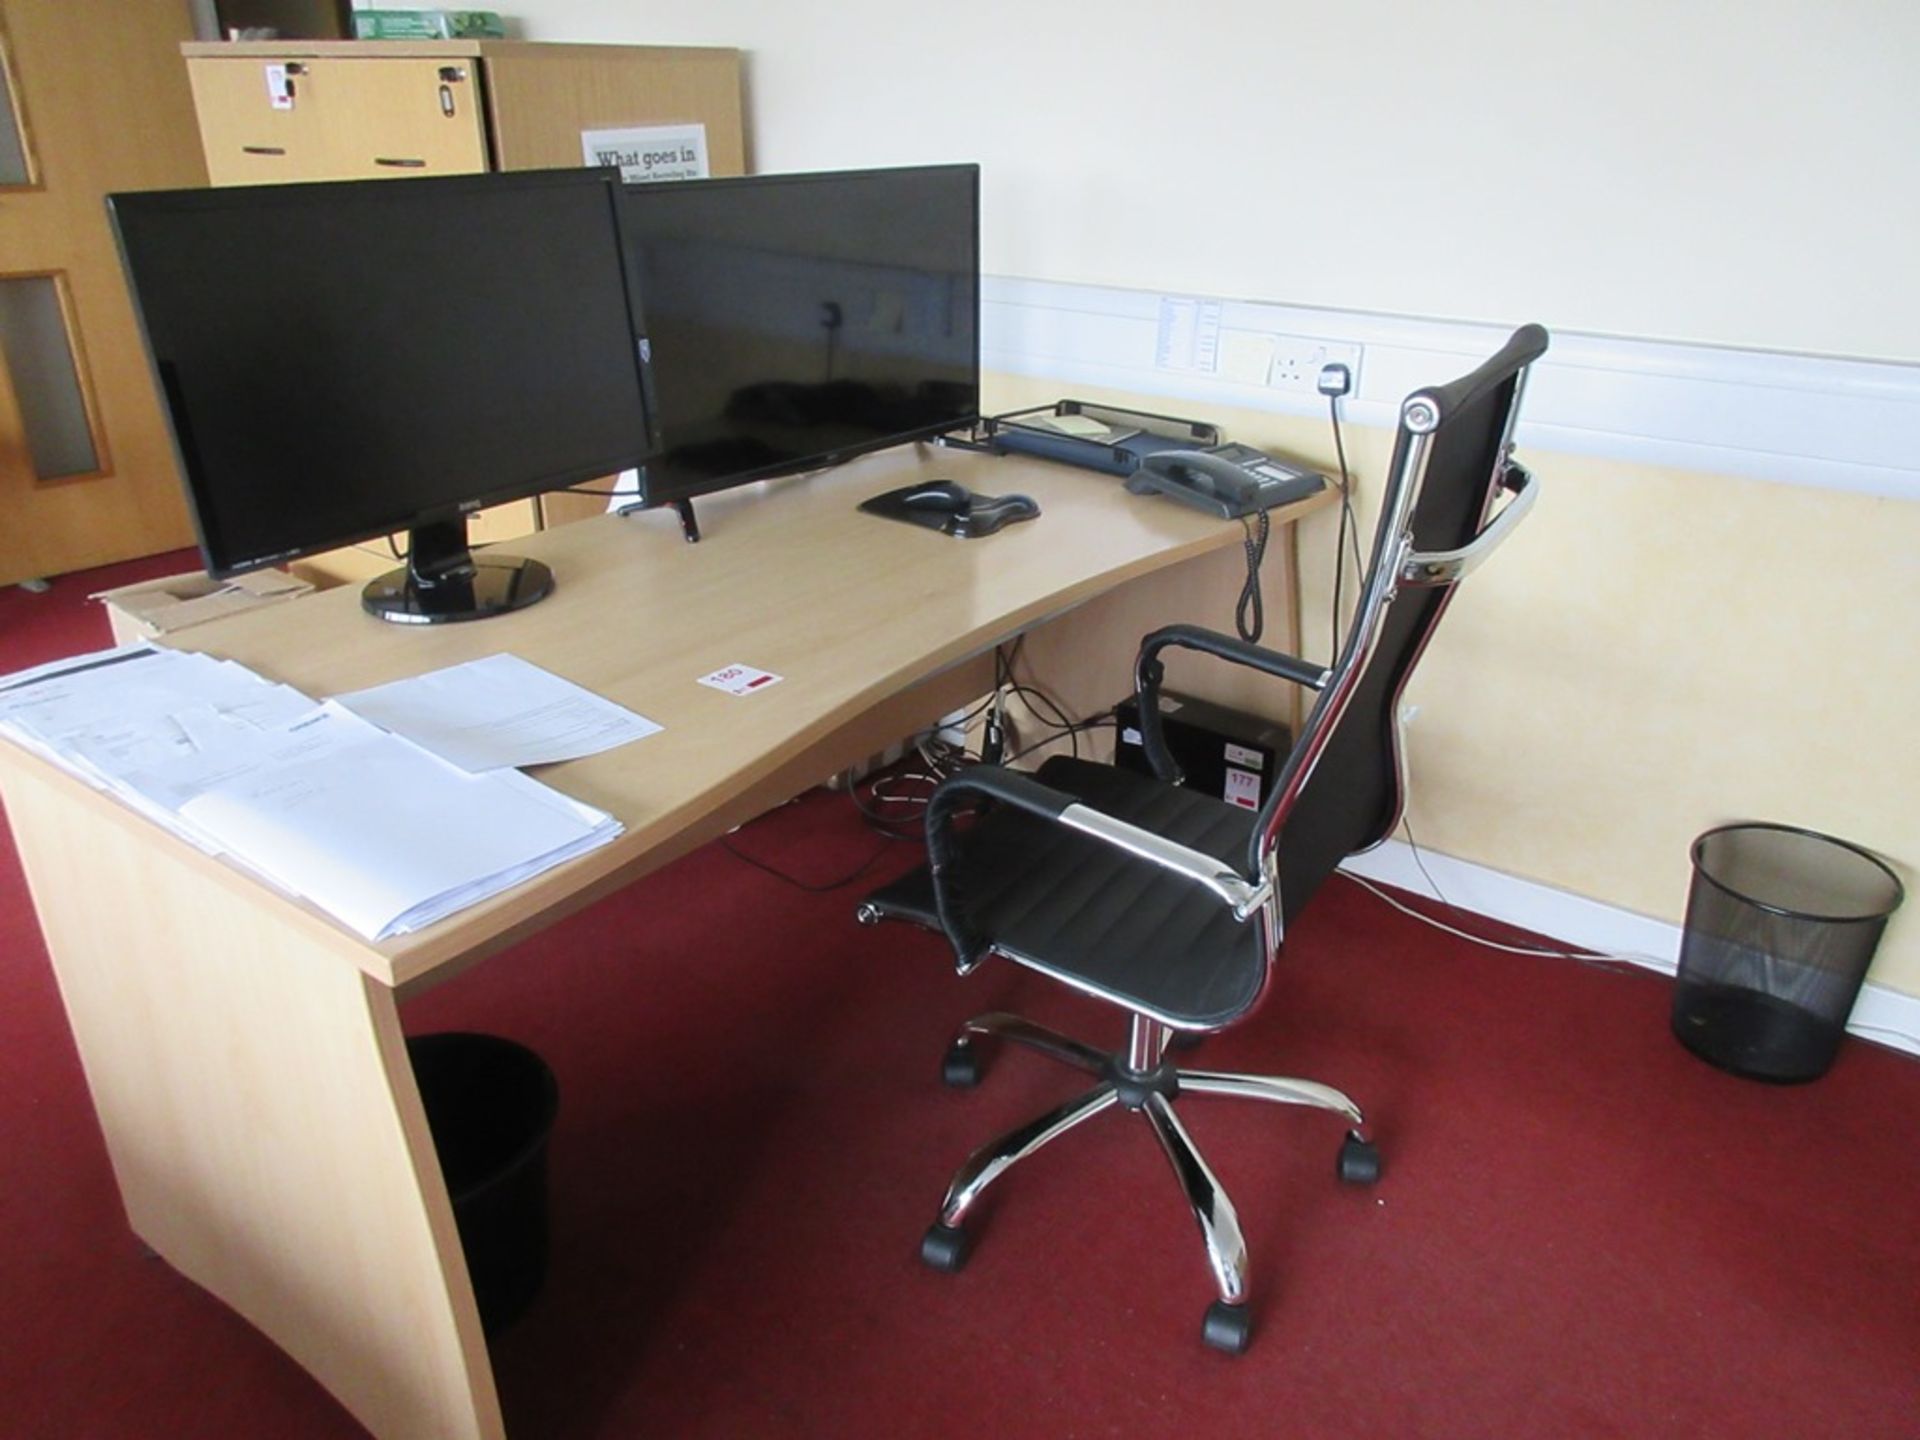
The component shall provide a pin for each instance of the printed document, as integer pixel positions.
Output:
(388, 838)
(368, 826)
(497, 713)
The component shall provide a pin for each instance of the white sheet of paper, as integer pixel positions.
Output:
(498, 713)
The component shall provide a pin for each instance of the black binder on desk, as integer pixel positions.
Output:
(1096, 437)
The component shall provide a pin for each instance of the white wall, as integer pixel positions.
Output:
(1664, 648)
(1738, 173)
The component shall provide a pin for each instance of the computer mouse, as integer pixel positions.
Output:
(938, 497)
(989, 512)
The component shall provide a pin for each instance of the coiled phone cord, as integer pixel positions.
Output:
(1249, 616)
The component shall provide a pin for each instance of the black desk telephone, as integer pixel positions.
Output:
(1227, 480)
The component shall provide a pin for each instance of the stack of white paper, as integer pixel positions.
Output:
(378, 832)
(152, 726)
(384, 835)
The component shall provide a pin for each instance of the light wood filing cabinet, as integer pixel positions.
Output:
(339, 119)
(371, 108)
(283, 111)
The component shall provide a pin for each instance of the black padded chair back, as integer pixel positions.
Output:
(1340, 790)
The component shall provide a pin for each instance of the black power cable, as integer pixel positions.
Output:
(1349, 533)
(799, 884)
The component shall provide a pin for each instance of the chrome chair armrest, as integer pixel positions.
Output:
(1149, 673)
(1195, 865)
(1444, 567)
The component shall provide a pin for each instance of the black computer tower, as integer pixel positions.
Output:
(1222, 752)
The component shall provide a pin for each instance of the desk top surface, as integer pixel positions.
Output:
(848, 608)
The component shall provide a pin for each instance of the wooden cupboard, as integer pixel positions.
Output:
(354, 109)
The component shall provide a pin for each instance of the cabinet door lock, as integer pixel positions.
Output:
(450, 75)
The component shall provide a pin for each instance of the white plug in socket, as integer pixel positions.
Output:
(1299, 360)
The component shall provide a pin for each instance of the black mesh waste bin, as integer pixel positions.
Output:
(1781, 926)
(490, 1104)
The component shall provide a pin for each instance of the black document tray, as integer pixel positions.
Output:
(1130, 434)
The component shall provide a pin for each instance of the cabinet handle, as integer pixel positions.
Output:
(400, 164)
(262, 150)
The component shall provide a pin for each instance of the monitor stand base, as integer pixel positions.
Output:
(493, 585)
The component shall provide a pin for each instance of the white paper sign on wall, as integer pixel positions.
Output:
(649, 152)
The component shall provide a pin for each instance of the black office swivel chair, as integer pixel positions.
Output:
(1172, 904)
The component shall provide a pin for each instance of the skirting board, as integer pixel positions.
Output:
(1880, 1014)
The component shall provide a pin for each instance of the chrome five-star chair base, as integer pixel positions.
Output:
(1145, 1081)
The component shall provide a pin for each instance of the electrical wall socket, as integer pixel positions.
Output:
(1297, 360)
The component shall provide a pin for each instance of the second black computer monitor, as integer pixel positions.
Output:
(793, 321)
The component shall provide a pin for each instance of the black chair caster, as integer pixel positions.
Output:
(1227, 1327)
(960, 1067)
(944, 1247)
(1359, 1161)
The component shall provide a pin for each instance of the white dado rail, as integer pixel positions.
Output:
(1795, 419)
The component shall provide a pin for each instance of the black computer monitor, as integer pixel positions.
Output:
(796, 320)
(344, 360)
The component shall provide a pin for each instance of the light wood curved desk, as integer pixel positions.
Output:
(245, 1054)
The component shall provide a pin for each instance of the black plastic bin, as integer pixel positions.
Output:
(490, 1104)
(1781, 926)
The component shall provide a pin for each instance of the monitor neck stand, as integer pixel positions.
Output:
(445, 581)
(689, 526)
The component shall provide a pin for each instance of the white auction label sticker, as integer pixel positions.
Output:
(740, 679)
(1242, 789)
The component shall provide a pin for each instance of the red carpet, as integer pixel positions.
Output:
(1582, 1231)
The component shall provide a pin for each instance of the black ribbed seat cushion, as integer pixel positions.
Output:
(1064, 903)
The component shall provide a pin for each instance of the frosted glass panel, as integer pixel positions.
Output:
(46, 381)
(14, 169)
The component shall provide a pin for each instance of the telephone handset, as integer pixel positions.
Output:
(1227, 480)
